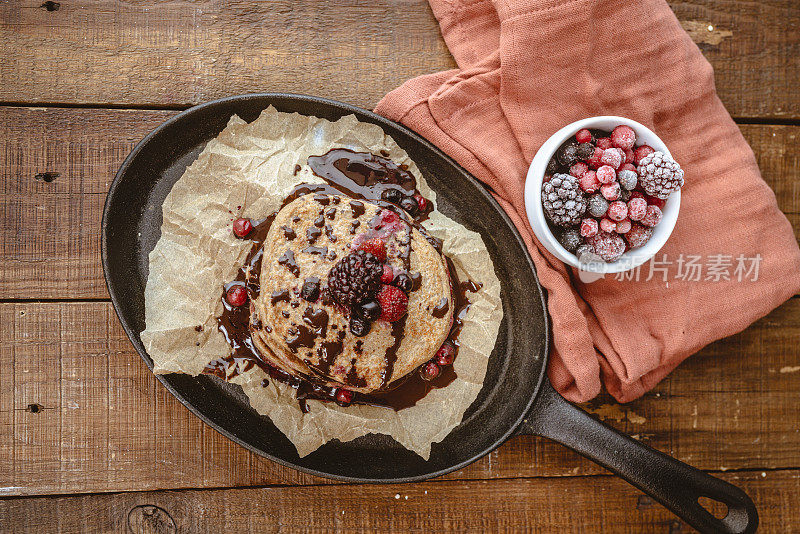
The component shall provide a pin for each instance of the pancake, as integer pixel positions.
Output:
(311, 337)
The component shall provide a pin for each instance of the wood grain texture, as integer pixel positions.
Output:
(181, 53)
(106, 424)
(572, 504)
(50, 231)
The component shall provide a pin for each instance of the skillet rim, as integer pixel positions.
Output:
(384, 123)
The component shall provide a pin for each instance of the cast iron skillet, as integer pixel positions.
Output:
(516, 397)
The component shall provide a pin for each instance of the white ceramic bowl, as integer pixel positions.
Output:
(533, 198)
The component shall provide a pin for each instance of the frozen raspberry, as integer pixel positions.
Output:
(628, 155)
(589, 182)
(344, 397)
(242, 227)
(597, 205)
(236, 295)
(627, 167)
(637, 208)
(589, 227)
(606, 174)
(654, 201)
(610, 191)
(623, 136)
(578, 169)
(628, 179)
(394, 303)
(604, 143)
(613, 157)
(594, 160)
(607, 225)
(652, 217)
(374, 246)
(638, 235)
(446, 354)
(422, 202)
(617, 210)
(429, 371)
(641, 152)
(570, 239)
(608, 246)
(583, 136)
(388, 274)
(624, 226)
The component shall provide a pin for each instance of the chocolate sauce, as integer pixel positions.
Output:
(331, 213)
(329, 233)
(398, 333)
(358, 208)
(315, 250)
(288, 232)
(317, 319)
(440, 310)
(299, 336)
(288, 261)
(319, 222)
(313, 233)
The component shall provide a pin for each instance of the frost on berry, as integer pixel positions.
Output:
(617, 210)
(660, 175)
(563, 201)
(597, 205)
(606, 174)
(610, 191)
(608, 246)
(637, 208)
(570, 239)
(589, 227)
(652, 217)
(589, 182)
(624, 226)
(623, 136)
(638, 235)
(613, 157)
(627, 179)
(607, 225)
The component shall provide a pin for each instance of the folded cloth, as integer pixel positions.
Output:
(528, 67)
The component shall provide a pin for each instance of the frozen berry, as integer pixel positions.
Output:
(623, 136)
(369, 310)
(563, 201)
(583, 136)
(355, 278)
(552, 166)
(429, 371)
(578, 169)
(610, 191)
(422, 202)
(608, 246)
(652, 217)
(624, 226)
(570, 238)
(638, 235)
(597, 205)
(344, 397)
(637, 208)
(613, 157)
(660, 175)
(585, 253)
(655, 201)
(359, 326)
(403, 281)
(641, 152)
(236, 295)
(594, 160)
(606, 174)
(242, 227)
(446, 354)
(388, 274)
(628, 179)
(393, 302)
(604, 143)
(374, 246)
(607, 225)
(628, 156)
(638, 194)
(584, 151)
(589, 182)
(567, 154)
(627, 167)
(589, 227)
(617, 210)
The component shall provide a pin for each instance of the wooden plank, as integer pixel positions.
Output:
(108, 425)
(573, 504)
(182, 53)
(50, 231)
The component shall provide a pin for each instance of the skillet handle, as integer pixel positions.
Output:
(672, 483)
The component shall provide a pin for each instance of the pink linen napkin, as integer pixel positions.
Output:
(528, 67)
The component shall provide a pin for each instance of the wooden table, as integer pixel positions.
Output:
(90, 441)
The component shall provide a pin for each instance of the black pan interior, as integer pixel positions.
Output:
(131, 228)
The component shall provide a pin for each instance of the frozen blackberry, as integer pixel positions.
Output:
(570, 239)
(660, 175)
(563, 201)
(355, 278)
(584, 151)
(597, 205)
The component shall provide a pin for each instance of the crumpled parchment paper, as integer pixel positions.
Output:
(247, 170)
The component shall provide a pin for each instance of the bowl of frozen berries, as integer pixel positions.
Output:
(603, 194)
